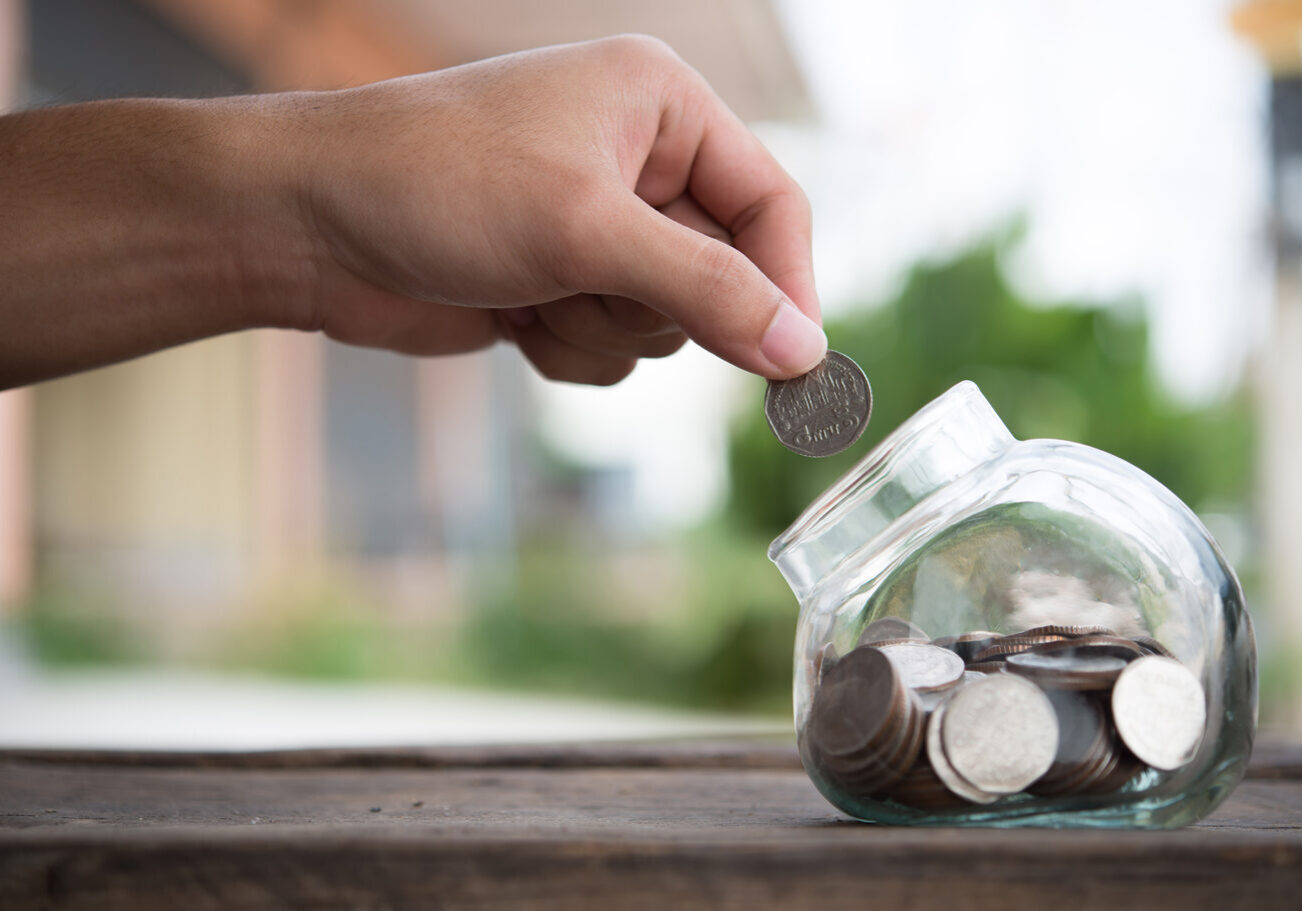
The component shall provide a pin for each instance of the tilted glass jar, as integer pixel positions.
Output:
(995, 632)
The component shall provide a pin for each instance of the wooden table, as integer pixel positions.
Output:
(664, 826)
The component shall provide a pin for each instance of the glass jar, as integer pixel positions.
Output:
(995, 632)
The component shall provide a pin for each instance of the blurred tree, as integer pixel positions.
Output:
(1075, 370)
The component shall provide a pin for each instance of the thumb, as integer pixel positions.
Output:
(719, 297)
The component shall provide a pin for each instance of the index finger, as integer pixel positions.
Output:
(704, 149)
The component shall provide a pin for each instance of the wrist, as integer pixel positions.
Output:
(266, 255)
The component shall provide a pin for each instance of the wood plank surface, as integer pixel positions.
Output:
(634, 826)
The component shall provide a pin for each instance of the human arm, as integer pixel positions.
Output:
(515, 198)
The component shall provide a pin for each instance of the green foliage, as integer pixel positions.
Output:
(721, 639)
(74, 628)
(323, 636)
(1075, 370)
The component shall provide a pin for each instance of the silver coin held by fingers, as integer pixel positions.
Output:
(823, 412)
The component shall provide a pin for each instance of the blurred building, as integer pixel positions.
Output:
(1275, 28)
(197, 477)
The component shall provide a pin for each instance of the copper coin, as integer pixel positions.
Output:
(985, 667)
(1070, 632)
(1126, 649)
(1012, 645)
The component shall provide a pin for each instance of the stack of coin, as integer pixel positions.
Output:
(865, 726)
(967, 645)
(1067, 669)
(1055, 711)
(1089, 759)
(922, 789)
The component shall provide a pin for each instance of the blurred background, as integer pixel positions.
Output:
(1092, 209)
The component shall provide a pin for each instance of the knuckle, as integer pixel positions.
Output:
(638, 46)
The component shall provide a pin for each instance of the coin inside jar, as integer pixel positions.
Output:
(1001, 648)
(1152, 646)
(890, 629)
(967, 645)
(922, 789)
(1160, 711)
(1068, 630)
(944, 769)
(924, 667)
(1125, 649)
(865, 728)
(1083, 753)
(822, 412)
(853, 703)
(1000, 733)
(1067, 670)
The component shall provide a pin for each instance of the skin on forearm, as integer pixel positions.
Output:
(131, 226)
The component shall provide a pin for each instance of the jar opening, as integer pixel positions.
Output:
(944, 440)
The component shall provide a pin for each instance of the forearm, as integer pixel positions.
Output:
(130, 226)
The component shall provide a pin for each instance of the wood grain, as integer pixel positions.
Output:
(635, 826)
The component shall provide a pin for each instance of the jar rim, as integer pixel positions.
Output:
(962, 395)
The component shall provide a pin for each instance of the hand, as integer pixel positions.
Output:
(578, 200)
(591, 203)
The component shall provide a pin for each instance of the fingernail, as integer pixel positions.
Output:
(520, 316)
(793, 342)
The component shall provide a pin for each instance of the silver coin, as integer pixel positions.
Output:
(1067, 670)
(1000, 733)
(823, 412)
(1160, 711)
(924, 667)
(940, 763)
